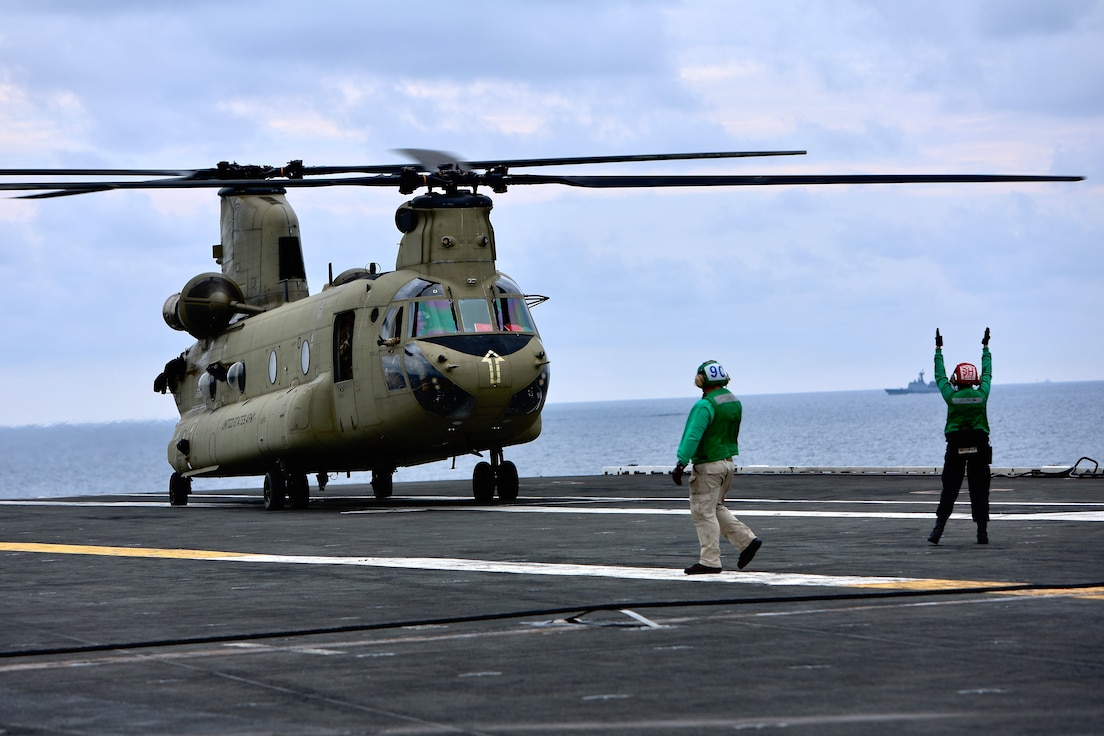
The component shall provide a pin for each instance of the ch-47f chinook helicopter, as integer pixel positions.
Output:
(379, 370)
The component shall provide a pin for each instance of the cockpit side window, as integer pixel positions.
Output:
(392, 371)
(511, 310)
(390, 335)
(512, 314)
(391, 327)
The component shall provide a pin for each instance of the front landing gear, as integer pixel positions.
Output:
(496, 476)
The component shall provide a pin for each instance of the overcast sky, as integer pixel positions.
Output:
(792, 289)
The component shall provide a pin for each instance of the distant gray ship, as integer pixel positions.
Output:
(915, 387)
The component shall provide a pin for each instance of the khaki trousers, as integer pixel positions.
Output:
(709, 484)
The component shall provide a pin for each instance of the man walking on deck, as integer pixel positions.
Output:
(709, 441)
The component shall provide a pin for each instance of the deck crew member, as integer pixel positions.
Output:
(967, 432)
(709, 441)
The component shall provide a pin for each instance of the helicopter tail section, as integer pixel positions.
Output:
(260, 248)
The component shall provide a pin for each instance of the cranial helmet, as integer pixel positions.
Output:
(965, 374)
(710, 373)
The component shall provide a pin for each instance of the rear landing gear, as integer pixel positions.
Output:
(179, 488)
(281, 487)
(496, 476)
(383, 482)
(298, 490)
(275, 488)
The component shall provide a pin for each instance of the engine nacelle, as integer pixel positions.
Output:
(205, 306)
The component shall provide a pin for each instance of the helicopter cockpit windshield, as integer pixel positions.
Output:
(434, 314)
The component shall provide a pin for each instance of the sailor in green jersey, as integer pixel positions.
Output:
(709, 441)
(967, 432)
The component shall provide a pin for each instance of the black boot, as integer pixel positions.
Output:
(983, 535)
(937, 532)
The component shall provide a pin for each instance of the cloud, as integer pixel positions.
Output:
(808, 288)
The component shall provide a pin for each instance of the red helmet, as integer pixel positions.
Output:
(965, 374)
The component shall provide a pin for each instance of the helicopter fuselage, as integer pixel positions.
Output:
(356, 378)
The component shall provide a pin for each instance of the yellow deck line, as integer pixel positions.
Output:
(1091, 593)
(84, 549)
(936, 584)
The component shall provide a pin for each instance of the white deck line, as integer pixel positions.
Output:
(1036, 470)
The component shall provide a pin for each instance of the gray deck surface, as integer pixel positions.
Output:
(564, 613)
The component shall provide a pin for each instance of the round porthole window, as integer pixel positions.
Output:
(272, 367)
(236, 376)
(304, 357)
(207, 386)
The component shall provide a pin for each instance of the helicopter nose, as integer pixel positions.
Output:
(459, 385)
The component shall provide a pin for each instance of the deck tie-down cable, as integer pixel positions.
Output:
(575, 611)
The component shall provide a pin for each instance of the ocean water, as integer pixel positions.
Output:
(1033, 425)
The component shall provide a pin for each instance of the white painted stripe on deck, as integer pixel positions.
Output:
(448, 564)
(740, 511)
(736, 507)
(452, 564)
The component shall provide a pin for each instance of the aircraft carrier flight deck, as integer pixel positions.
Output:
(565, 612)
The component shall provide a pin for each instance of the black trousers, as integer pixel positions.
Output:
(968, 455)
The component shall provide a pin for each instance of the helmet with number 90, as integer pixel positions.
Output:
(710, 373)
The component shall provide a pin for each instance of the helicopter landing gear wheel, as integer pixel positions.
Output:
(497, 476)
(383, 483)
(275, 487)
(298, 490)
(506, 481)
(179, 488)
(483, 483)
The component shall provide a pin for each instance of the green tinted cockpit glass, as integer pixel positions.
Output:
(433, 317)
(512, 314)
(511, 310)
(475, 315)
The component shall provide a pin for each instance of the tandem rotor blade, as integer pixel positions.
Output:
(629, 182)
(97, 172)
(68, 188)
(432, 169)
